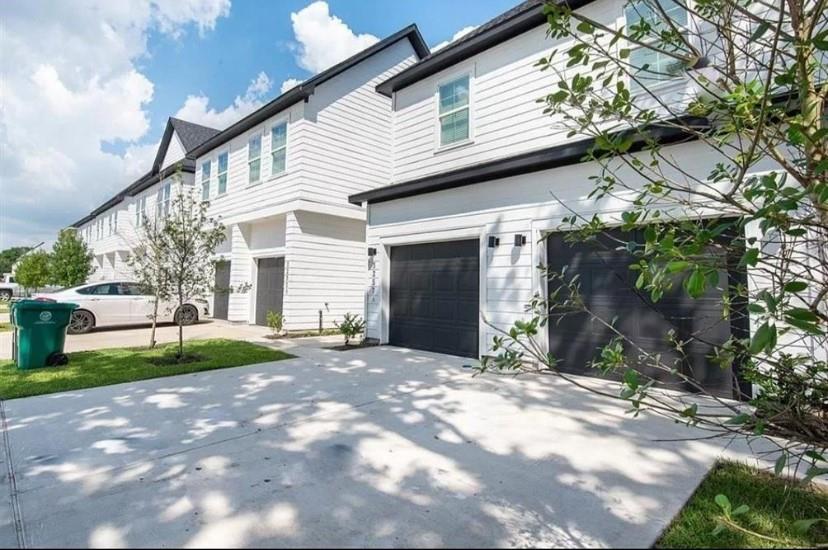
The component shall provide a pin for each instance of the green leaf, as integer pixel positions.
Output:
(796, 286)
(821, 41)
(631, 379)
(585, 27)
(678, 265)
(739, 419)
(750, 257)
(718, 529)
(691, 411)
(802, 314)
(764, 339)
(814, 471)
(780, 463)
(760, 30)
(802, 526)
(723, 502)
(624, 53)
(695, 284)
(741, 510)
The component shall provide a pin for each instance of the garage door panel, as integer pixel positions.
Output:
(221, 292)
(607, 286)
(270, 283)
(435, 297)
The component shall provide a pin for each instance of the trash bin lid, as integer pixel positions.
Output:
(42, 305)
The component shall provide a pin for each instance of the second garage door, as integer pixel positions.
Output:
(435, 294)
(607, 286)
(270, 286)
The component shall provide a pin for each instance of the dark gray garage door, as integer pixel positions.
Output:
(221, 293)
(435, 297)
(270, 287)
(608, 289)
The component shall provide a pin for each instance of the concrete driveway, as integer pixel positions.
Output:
(376, 447)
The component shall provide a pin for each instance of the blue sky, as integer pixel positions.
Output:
(88, 86)
(257, 37)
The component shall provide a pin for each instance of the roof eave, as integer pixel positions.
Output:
(453, 54)
(534, 161)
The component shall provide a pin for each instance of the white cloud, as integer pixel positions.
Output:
(289, 83)
(457, 36)
(324, 39)
(70, 83)
(197, 108)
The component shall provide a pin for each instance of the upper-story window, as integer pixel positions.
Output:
(645, 22)
(205, 180)
(164, 199)
(278, 148)
(115, 222)
(454, 110)
(222, 173)
(254, 159)
(140, 211)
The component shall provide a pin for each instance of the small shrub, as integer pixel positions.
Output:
(275, 321)
(352, 325)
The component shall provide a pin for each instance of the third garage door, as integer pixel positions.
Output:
(435, 294)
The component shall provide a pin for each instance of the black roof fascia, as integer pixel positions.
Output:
(494, 32)
(533, 161)
(303, 91)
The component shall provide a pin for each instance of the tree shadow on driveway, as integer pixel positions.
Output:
(377, 447)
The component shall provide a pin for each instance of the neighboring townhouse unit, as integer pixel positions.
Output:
(480, 176)
(280, 178)
(109, 230)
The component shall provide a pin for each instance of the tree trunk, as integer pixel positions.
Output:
(154, 321)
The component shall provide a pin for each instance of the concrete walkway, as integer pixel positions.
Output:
(374, 447)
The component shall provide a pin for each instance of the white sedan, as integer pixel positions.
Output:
(115, 303)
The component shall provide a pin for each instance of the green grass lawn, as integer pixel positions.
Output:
(774, 507)
(4, 307)
(5, 327)
(88, 369)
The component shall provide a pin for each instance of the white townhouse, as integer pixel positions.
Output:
(109, 230)
(280, 178)
(480, 176)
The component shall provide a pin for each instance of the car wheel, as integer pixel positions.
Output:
(186, 315)
(5, 295)
(81, 322)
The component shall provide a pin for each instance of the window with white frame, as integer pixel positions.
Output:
(140, 211)
(454, 115)
(164, 199)
(278, 148)
(254, 159)
(205, 180)
(222, 173)
(115, 222)
(651, 63)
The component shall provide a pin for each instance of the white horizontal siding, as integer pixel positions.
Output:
(326, 261)
(175, 151)
(506, 118)
(502, 208)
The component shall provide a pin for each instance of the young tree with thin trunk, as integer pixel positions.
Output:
(190, 240)
(148, 261)
(742, 220)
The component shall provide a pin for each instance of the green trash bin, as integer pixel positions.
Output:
(39, 332)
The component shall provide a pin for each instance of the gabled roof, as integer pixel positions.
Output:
(190, 134)
(524, 17)
(304, 90)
